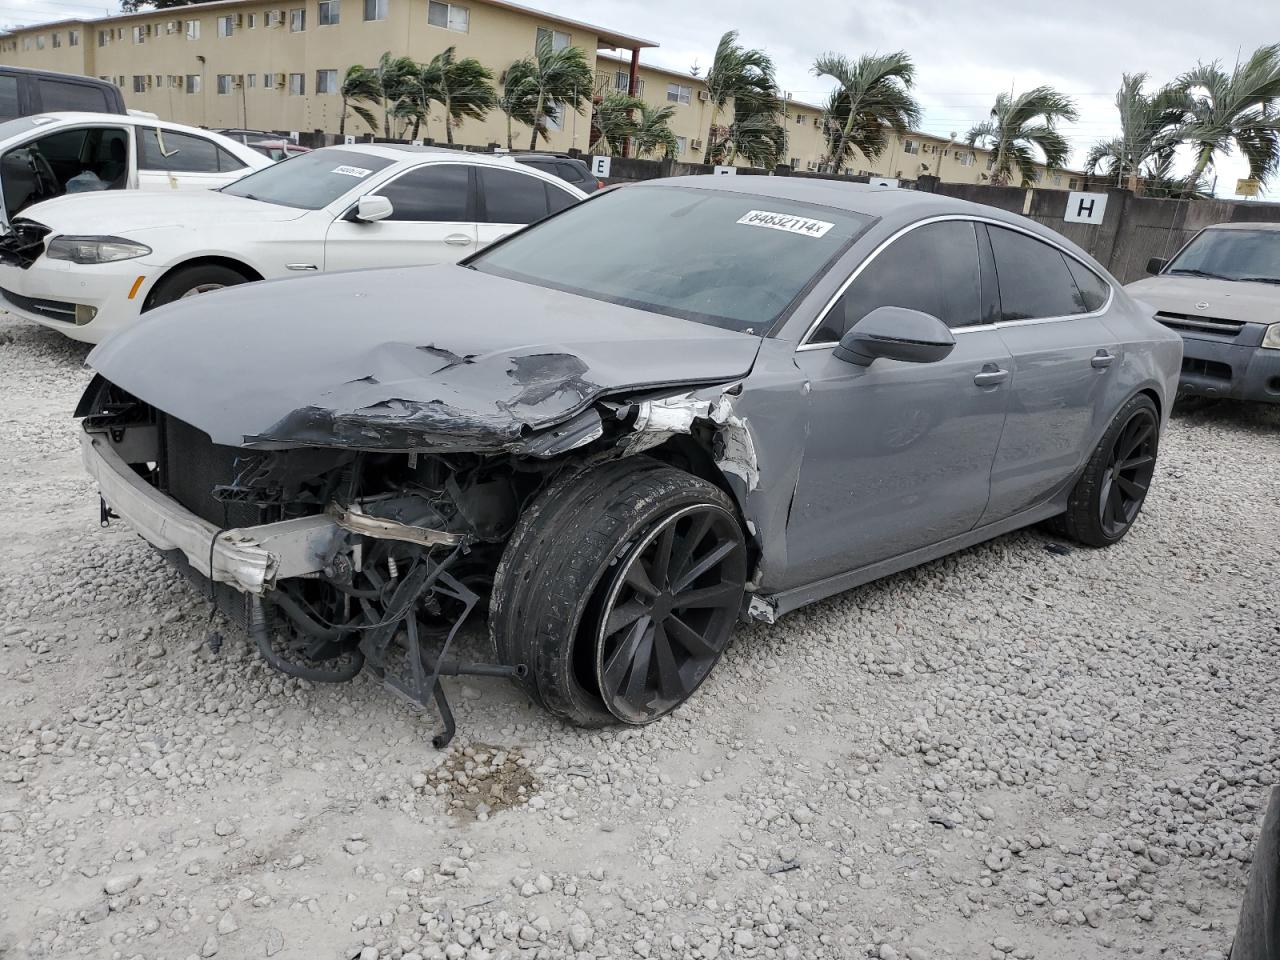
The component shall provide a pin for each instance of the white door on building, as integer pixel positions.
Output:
(432, 221)
(173, 160)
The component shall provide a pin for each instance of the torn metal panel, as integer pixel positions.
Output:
(441, 358)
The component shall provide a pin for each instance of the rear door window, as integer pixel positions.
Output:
(9, 108)
(66, 95)
(435, 193)
(1035, 281)
(558, 199)
(173, 152)
(512, 197)
(1092, 289)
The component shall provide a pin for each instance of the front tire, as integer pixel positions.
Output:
(1107, 498)
(619, 590)
(193, 281)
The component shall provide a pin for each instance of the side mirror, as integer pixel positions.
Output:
(371, 208)
(898, 334)
(1156, 264)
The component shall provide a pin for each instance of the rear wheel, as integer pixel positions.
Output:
(193, 281)
(619, 590)
(1109, 495)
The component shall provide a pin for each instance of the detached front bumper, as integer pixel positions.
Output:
(1233, 371)
(249, 559)
(61, 295)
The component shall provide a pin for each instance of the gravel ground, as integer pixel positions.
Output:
(1012, 752)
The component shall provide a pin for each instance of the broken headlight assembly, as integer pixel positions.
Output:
(95, 249)
(1271, 339)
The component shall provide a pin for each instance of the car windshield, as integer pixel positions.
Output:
(713, 256)
(309, 181)
(1252, 255)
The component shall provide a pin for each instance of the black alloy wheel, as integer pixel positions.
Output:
(1127, 477)
(669, 612)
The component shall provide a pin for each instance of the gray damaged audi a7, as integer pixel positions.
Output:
(627, 427)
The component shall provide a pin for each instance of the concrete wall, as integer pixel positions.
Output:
(1133, 230)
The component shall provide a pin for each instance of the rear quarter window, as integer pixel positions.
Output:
(65, 95)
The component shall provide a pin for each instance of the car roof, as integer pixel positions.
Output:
(894, 206)
(1270, 225)
(408, 151)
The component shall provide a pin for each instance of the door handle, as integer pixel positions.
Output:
(991, 377)
(457, 240)
(1101, 360)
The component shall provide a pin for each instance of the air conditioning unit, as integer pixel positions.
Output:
(277, 18)
(175, 26)
(704, 95)
(239, 81)
(695, 145)
(239, 20)
(280, 79)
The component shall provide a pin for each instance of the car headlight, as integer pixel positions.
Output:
(95, 249)
(1271, 338)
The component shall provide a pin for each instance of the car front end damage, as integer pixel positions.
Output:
(363, 543)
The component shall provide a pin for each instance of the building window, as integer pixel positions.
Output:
(252, 80)
(622, 83)
(297, 85)
(1057, 181)
(910, 146)
(226, 26)
(330, 10)
(102, 38)
(559, 40)
(326, 81)
(193, 83)
(193, 29)
(679, 93)
(965, 159)
(224, 84)
(57, 40)
(375, 9)
(266, 80)
(139, 83)
(26, 43)
(555, 121)
(40, 42)
(1073, 184)
(682, 144)
(449, 15)
(73, 38)
(297, 20)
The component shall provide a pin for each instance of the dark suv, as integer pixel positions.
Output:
(25, 92)
(567, 168)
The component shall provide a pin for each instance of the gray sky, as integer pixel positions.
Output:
(965, 51)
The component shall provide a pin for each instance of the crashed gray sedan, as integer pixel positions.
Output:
(626, 428)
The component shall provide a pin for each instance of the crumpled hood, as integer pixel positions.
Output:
(122, 212)
(1224, 299)
(403, 358)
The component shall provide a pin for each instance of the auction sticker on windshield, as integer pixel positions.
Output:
(352, 171)
(785, 221)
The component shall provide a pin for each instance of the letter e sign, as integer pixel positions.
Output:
(600, 167)
(1085, 207)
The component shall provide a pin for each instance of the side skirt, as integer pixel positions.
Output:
(797, 597)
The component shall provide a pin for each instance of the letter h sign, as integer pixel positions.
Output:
(1085, 207)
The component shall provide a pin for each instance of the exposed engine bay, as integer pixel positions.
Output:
(400, 547)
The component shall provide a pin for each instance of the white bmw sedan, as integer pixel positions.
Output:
(89, 265)
(51, 154)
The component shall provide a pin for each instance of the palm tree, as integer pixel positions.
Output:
(1235, 110)
(872, 96)
(394, 77)
(1148, 129)
(1020, 123)
(615, 121)
(464, 88)
(746, 77)
(537, 88)
(359, 85)
(755, 134)
(653, 131)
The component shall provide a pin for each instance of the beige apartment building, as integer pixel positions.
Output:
(906, 157)
(279, 66)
